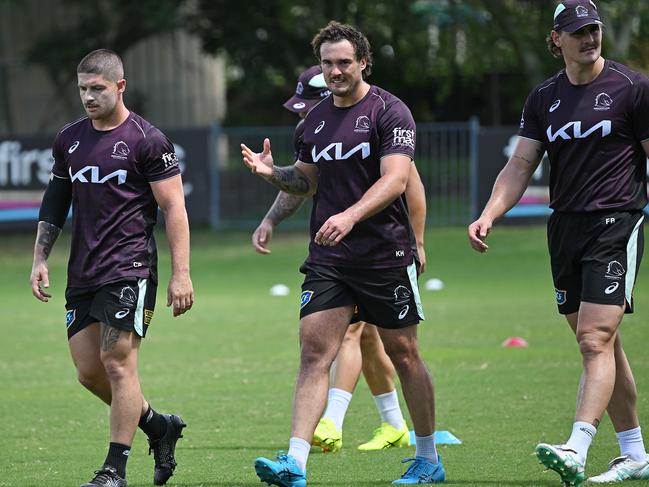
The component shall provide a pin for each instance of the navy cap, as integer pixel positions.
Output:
(310, 89)
(572, 15)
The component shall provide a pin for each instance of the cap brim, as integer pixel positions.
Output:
(297, 105)
(578, 24)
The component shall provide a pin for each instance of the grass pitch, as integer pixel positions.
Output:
(228, 367)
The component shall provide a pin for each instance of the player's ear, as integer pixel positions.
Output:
(121, 85)
(554, 35)
(363, 63)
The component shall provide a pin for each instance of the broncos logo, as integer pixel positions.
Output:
(614, 269)
(401, 295)
(127, 296)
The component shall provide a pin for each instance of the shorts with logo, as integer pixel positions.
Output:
(126, 304)
(595, 257)
(388, 298)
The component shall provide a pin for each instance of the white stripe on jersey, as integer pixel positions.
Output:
(617, 71)
(66, 127)
(138, 126)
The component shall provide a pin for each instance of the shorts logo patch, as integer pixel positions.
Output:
(615, 270)
(121, 314)
(127, 297)
(561, 296)
(305, 298)
(404, 312)
(70, 317)
(612, 288)
(401, 295)
(148, 315)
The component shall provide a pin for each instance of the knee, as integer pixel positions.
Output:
(116, 369)
(91, 379)
(404, 358)
(596, 342)
(314, 357)
(370, 340)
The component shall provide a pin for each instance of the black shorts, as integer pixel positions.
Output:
(595, 257)
(127, 305)
(388, 298)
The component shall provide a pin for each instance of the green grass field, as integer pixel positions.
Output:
(228, 367)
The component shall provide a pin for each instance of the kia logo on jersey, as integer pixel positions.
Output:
(81, 174)
(363, 147)
(572, 130)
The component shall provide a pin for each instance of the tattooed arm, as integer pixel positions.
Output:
(284, 206)
(299, 179)
(508, 189)
(45, 238)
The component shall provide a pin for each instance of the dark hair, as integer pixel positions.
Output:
(335, 31)
(103, 62)
(552, 47)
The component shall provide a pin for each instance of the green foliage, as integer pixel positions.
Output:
(110, 24)
(229, 367)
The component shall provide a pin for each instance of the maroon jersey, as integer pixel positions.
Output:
(298, 134)
(347, 144)
(113, 208)
(592, 134)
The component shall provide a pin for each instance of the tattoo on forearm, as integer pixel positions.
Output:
(516, 156)
(283, 207)
(45, 238)
(109, 337)
(290, 180)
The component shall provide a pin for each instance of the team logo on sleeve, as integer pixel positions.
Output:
(362, 124)
(403, 137)
(305, 298)
(603, 102)
(120, 150)
(561, 296)
(70, 317)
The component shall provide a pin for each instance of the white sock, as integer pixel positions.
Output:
(426, 448)
(337, 405)
(299, 449)
(388, 407)
(631, 444)
(581, 438)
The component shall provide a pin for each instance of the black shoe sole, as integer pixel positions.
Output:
(161, 476)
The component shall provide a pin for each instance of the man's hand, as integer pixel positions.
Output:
(421, 252)
(262, 235)
(262, 163)
(40, 275)
(335, 229)
(478, 232)
(180, 293)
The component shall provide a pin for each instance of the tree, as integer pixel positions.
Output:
(447, 59)
(113, 24)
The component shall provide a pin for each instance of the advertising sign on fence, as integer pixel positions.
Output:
(26, 163)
